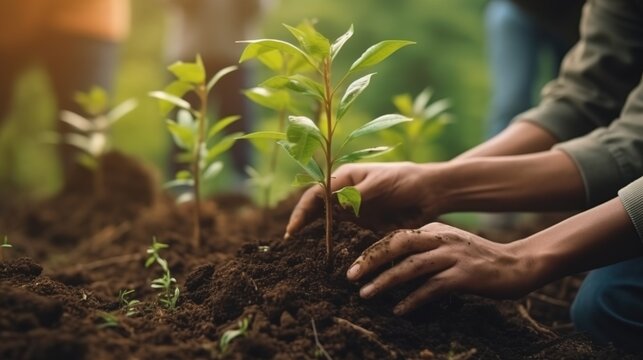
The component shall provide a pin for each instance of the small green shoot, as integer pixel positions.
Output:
(129, 307)
(108, 320)
(200, 142)
(92, 131)
(166, 284)
(5, 245)
(320, 352)
(232, 334)
(312, 146)
(430, 119)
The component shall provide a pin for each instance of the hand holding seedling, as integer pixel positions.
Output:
(386, 188)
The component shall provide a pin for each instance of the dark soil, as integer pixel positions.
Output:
(72, 254)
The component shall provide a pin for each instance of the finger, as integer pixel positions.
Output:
(391, 247)
(412, 267)
(309, 204)
(434, 288)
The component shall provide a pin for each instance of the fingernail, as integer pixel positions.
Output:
(367, 291)
(353, 272)
(286, 236)
(399, 309)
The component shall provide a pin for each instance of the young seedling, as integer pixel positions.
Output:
(92, 136)
(5, 245)
(108, 320)
(192, 132)
(129, 307)
(281, 102)
(315, 149)
(430, 118)
(232, 334)
(166, 284)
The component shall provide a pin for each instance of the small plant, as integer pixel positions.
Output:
(191, 131)
(232, 334)
(130, 307)
(5, 245)
(314, 147)
(108, 320)
(92, 136)
(166, 284)
(430, 118)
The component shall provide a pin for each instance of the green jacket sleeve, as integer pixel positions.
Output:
(631, 197)
(597, 74)
(598, 84)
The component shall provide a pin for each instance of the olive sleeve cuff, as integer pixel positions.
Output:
(558, 118)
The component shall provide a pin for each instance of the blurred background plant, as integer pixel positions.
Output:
(449, 58)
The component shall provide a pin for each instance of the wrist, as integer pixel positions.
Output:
(537, 263)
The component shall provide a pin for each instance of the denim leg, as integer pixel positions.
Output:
(513, 43)
(609, 305)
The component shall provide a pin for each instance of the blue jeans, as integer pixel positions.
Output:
(609, 305)
(515, 41)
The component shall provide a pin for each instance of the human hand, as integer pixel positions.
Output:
(450, 260)
(384, 187)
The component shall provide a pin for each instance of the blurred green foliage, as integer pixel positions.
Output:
(449, 58)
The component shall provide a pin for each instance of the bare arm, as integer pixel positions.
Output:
(453, 260)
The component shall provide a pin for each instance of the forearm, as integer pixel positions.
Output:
(542, 181)
(517, 139)
(598, 237)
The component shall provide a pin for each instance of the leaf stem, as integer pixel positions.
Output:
(202, 92)
(328, 195)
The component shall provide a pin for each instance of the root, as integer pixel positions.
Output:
(522, 311)
(365, 333)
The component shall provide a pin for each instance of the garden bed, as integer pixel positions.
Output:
(72, 255)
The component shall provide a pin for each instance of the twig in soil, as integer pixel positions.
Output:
(463, 355)
(366, 333)
(522, 311)
(108, 262)
(252, 281)
(549, 300)
(319, 347)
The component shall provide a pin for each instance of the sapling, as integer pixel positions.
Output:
(315, 149)
(108, 320)
(232, 334)
(92, 136)
(166, 284)
(191, 131)
(5, 245)
(430, 118)
(129, 307)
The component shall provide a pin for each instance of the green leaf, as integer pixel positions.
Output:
(421, 101)
(352, 92)
(363, 154)
(213, 170)
(268, 135)
(77, 121)
(193, 73)
(183, 175)
(382, 122)
(94, 102)
(311, 41)
(436, 108)
(349, 196)
(298, 83)
(311, 167)
(179, 183)
(176, 88)
(404, 104)
(221, 146)
(221, 73)
(169, 101)
(184, 137)
(255, 48)
(185, 119)
(339, 43)
(377, 53)
(305, 137)
(121, 110)
(304, 180)
(222, 124)
(273, 60)
(272, 99)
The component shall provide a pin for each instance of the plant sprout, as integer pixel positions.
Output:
(108, 320)
(191, 131)
(92, 131)
(232, 334)
(130, 307)
(166, 284)
(430, 118)
(5, 245)
(314, 147)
